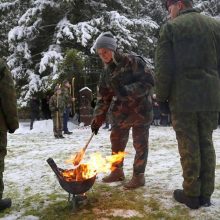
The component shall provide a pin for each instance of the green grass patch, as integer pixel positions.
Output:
(104, 202)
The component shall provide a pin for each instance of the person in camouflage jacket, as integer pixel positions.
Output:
(187, 78)
(8, 121)
(68, 103)
(126, 84)
(57, 106)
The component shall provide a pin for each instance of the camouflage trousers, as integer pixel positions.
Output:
(119, 138)
(3, 152)
(57, 124)
(197, 154)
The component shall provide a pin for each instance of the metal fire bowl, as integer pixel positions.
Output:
(74, 187)
(77, 187)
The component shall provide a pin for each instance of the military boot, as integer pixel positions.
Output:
(5, 203)
(205, 201)
(191, 202)
(136, 181)
(116, 175)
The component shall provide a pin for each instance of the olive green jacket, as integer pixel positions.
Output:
(8, 103)
(57, 102)
(187, 63)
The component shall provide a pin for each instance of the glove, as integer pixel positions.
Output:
(164, 107)
(95, 125)
(56, 109)
(11, 131)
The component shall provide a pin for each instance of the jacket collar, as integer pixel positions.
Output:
(188, 10)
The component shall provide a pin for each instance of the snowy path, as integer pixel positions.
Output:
(27, 173)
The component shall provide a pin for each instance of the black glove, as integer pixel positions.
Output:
(11, 131)
(95, 125)
(56, 109)
(164, 107)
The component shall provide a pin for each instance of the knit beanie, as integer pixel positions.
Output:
(106, 40)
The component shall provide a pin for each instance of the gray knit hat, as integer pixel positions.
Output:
(105, 40)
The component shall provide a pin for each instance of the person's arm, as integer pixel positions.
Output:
(8, 101)
(164, 64)
(142, 82)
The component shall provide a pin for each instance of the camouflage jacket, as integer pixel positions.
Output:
(127, 83)
(67, 97)
(187, 63)
(8, 102)
(53, 104)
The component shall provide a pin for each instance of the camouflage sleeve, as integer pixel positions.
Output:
(52, 104)
(143, 79)
(104, 98)
(8, 101)
(164, 64)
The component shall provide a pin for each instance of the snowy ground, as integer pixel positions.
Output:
(27, 172)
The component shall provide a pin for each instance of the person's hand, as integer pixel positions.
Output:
(56, 109)
(11, 131)
(164, 108)
(95, 125)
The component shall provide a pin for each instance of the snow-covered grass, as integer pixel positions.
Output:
(33, 187)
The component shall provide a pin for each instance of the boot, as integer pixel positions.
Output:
(205, 201)
(116, 175)
(68, 132)
(136, 181)
(191, 202)
(5, 203)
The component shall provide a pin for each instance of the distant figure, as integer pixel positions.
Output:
(45, 107)
(68, 104)
(57, 106)
(156, 111)
(8, 122)
(35, 110)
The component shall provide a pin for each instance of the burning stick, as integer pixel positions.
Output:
(79, 155)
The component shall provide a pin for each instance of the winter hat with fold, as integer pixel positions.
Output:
(106, 40)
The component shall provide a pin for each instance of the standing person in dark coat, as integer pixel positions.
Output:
(45, 107)
(187, 64)
(68, 104)
(156, 111)
(8, 122)
(125, 84)
(35, 110)
(57, 106)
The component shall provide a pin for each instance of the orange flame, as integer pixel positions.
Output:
(96, 164)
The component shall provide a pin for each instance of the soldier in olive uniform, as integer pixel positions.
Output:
(57, 106)
(8, 121)
(187, 77)
(125, 84)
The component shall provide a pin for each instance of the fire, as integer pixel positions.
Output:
(96, 164)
